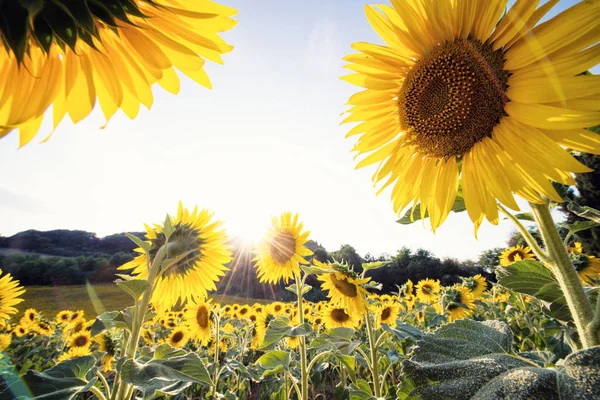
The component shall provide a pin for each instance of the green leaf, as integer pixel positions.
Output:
(337, 339)
(167, 372)
(411, 216)
(140, 243)
(294, 289)
(579, 226)
(135, 287)
(361, 391)
(473, 360)
(274, 362)
(584, 212)
(374, 265)
(279, 328)
(61, 382)
(534, 279)
(403, 331)
(108, 320)
(312, 270)
(527, 216)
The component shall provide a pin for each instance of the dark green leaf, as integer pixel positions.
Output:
(134, 287)
(274, 362)
(108, 320)
(403, 331)
(361, 391)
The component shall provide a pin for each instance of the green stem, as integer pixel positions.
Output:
(594, 326)
(528, 238)
(374, 357)
(213, 390)
(567, 277)
(97, 392)
(295, 386)
(125, 391)
(367, 359)
(303, 366)
(314, 360)
(380, 339)
(105, 383)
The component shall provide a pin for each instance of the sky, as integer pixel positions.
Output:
(266, 139)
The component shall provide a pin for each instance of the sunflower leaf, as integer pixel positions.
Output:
(473, 360)
(374, 265)
(294, 289)
(279, 328)
(274, 362)
(134, 287)
(63, 381)
(534, 279)
(141, 243)
(412, 215)
(165, 375)
(108, 320)
(403, 331)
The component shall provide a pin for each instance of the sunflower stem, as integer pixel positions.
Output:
(540, 254)
(100, 376)
(125, 391)
(594, 326)
(570, 284)
(213, 389)
(97, 392)
(374, 356)
(303, 366)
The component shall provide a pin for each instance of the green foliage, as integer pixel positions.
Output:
(274, 362)
(413, 215)
(280, 328)
(473, 360)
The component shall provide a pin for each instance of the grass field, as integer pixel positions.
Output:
(93, 299)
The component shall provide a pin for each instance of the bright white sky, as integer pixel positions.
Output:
(266, 139)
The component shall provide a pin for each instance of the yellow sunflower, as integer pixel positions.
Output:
(30, 317)
(9, 295)
(514, 254)
(74, 352)
(577, 248)
(93, 52)
(20, 330)
(345, 288)
(5, 339)
(458, 302)
(80, 339)
(387, 314)
(476, 284)
(588, 269)
(108, 346)
(204, 252)
(75, 316)
(179, 337)
(335, 317)
(243, 312)
(282, 251)
(63, 317)
(428, 290)
(467, 101)
(199, 321)
(42, 328)
(501, 295)
(276, 307)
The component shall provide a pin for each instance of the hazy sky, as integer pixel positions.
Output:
(266, 139)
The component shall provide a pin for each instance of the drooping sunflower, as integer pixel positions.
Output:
(466, 101)
(179, 337)
(282, 250)
(80, 339)
(335, 316)
(387, 314)
(428, 290)
(199, 321)
(204, 251)
(108, 346)
(458, 302)
(9, 295)
(345, 288)
(516, 253)
(74, 54)
(476, 284)
(30, 317)
(63, 317)
(588, 268)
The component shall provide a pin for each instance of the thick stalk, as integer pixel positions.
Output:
(124, 392)
(567, 277)
(303, 365)
(97, 392)
(213, 390)
(374, 357)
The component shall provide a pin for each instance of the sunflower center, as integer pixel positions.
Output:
(348, 289)
(385, 314)
(283, 247)
(339, 315)
(202, 317)
(177, 337)
(453, 97)
(515, 256)
(80, 341)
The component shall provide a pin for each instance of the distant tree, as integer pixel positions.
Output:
(348, 254)
(490, 259)
(320, 254)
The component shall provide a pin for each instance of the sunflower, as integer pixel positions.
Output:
(199, 321)
(202, 246)
(108, 346)
(501, 296)
(407, 289)
(148, 336)
(76, 315)
(81, 51)
(427, 290)
(80, 339)
(20, 330)
(276, 307)
(282, 251)
(74, 352)
(42, 328)
(63, 317)
(260, 328)
(178, 338)
(514, 254)
(387, 314)
(476, 284)
(334, 317)
(30, 317)
(345, 288)
(5, 339)
(576, 249)
(242, 312)
(9, 295)
(458, 302)
(588, 268)
(467, 102)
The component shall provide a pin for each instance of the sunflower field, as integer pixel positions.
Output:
(467, 104)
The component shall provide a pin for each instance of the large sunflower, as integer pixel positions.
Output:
(70, 53)
(514, 254)
(464, 101)
(428, 290)
(199, 321)
(9, 295)
(387, 314)
(282, 251)
(204, 250)
(345, 288)
(335, 316)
